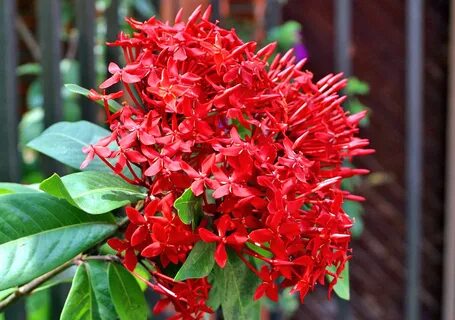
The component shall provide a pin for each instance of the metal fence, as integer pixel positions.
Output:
(48, 14)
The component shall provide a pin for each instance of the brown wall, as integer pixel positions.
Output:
(378, 52)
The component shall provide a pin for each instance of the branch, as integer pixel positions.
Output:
(32, 285)
(107, 258)
(28, 38)
(28, 288)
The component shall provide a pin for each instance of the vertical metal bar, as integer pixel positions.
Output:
(343, 30)
(215, 9)
(49, 37)
(273, 16)
(85, 21)
(343, 26)
(9, 156)
(112, 29)
(414, 153)
(448, 297)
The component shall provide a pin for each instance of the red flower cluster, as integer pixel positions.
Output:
(260, 144)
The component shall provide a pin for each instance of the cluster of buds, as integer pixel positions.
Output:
(257, 141)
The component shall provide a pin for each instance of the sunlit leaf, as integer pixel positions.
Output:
(189, 208)
(92, 191)
(64, 141)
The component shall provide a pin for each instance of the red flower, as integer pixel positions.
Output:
(130, 74)
(234, 239)
(268, 286)
(260, 145)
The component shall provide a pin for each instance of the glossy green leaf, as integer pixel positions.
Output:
(236, 285)
(188, 207)
(66, 276)
(99, 284)
(128, 298)
(39, 232)
(341, 288)
(80, 303)
(199, 262)
(38, 306)
(64, 141)
(141, 274)
(114, 106)
(261, 251)
(7, 188)
(92, 191)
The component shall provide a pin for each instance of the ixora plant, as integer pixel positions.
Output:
(230, 168)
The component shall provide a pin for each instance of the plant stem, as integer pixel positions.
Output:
(107, 258)
(32, 285)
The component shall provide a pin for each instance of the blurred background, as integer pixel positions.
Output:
(398, 57)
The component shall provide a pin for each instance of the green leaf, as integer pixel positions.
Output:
(128, 298)
(288, 303)
(99, 283)
(355, 210)
(241, 130)
(341, 288)
(64, 141)
(30, 126)
(6, 292)
(28, 69)
(287, 34)
(199, 263)
(8, 188)
(81, 302)
(66, 276)
(353, 105)
(94, 192)
(38, 306)
(261, 251)
(236, 285)
(189, 208)
(34, 96)
(114, 106)
(356, 87)
(216, 291)
(141, 271)
(39, 232)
